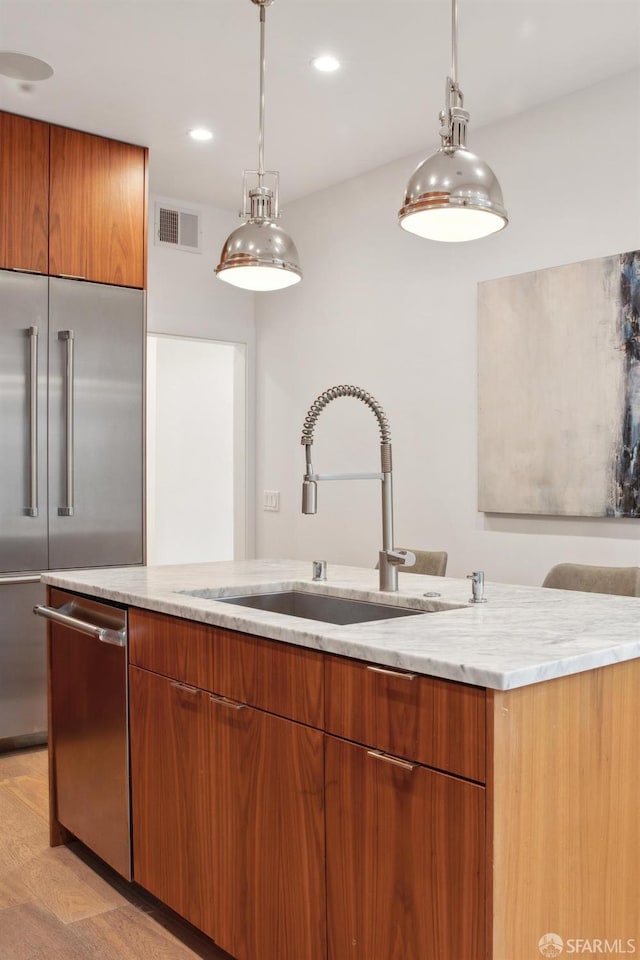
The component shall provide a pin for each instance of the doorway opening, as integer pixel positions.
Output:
(196, 450)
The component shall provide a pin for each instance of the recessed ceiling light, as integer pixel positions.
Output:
(200, 133)
(327, 63)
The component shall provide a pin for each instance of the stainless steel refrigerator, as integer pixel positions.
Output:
(71, 460)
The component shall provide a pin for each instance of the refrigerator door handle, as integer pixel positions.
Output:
(116, 637)
(12, 580)
(32, 509)
(67, 337)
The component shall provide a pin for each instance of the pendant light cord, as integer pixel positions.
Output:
(262, 71)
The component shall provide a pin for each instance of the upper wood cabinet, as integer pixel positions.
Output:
(97, 208)
(24, 193)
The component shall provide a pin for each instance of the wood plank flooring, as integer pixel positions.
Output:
(63, 903)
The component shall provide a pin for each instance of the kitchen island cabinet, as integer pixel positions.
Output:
(170, 792)
(227, 799)
(405, 859)
(378, 801)
(405, 823)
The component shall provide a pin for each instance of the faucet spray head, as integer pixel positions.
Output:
(309, 496)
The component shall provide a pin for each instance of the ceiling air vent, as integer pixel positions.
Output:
(178, 228)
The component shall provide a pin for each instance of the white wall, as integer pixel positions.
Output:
(185, 299)
(394, 314)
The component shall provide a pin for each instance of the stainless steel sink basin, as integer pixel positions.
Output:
(342, 610)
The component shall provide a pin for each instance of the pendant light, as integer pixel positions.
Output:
(260, 255)
(453, 195)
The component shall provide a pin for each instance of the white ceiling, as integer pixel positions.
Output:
(147, 71)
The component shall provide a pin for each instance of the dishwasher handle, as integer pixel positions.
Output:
(117, 638)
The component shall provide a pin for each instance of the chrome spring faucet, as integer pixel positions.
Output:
(389, 559)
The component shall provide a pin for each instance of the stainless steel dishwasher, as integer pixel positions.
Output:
(88, 720)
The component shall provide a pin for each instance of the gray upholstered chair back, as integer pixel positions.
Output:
(432, 562)
(623, 581)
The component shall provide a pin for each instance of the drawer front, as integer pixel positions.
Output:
(180, 649)
(435, 722)
(277, 677)
(266, 674)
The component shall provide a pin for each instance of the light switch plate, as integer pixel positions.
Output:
(271, 500)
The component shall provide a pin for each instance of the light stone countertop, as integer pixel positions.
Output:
(522, 635)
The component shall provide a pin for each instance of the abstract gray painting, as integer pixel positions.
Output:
(559, 390)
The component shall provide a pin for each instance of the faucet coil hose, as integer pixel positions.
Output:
(333, 393)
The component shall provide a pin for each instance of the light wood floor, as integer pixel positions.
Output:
(62, 903)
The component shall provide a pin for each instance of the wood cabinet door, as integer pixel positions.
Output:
(405, 859)
(169, 779)
(268, 857)
(24, 193)
(97, 209)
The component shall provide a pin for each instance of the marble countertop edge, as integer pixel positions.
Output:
(522, 635)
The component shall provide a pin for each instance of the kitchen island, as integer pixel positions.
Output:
(459, 784)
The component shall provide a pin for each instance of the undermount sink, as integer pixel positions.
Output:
(295, 603)
(316, 606)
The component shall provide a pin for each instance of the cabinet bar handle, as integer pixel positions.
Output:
(71, 276)
(185, 688)
(32, 509)
(223, 702)
(117, 638)
(379, 755)
(393, 673)
(67, 510)
(27, 578)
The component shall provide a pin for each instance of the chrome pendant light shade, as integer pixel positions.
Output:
(260, 255)
(453, 195)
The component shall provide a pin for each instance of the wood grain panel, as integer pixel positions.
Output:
(24, 833)
(30, 762)
(97, 208)
(405, 860)
(88, 738)
(24, 193)
(268, 814)
(30, 931)
(169, 780)
(277, 677)
(131, 924)
(180, 649)
(436, 722)
(272, 676)
(33, 792)
(566, 783)
(13, 891)
(66, 887)
(58, 834)
(131, 934)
